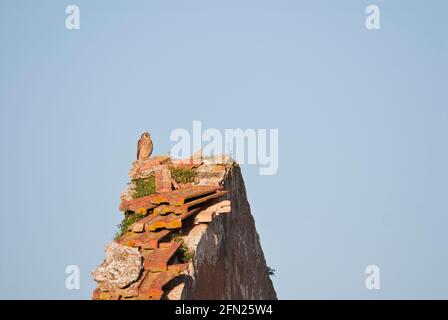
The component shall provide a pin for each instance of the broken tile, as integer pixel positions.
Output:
(152, 286)
(205, 216)
(170, 221)
(156, 260)
(144, 240)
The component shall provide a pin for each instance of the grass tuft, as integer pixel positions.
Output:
(182, 175)
(144, 187)
(270, 271)
(130, 218)
(184, 254)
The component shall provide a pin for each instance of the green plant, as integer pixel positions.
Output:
(144, 187)
(270, 271)
(182, 175)
(184, 254)
(175, 236)
(130, 218)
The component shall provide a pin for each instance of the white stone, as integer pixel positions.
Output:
(205, 216)
(120, 268)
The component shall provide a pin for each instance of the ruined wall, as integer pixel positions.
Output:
(229, 262)
(186, 239)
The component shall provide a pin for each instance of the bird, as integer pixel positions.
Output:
(144, 146)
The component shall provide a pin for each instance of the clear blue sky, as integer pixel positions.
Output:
(362, 118)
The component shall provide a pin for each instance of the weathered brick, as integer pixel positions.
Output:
(170, 221)
(186, 162)
(144, 240)
(152, 285)
(163, 180)
(178, 197)
(145, 168)
(105, 295)
(132, 290)
(156, 260)
(140, 205)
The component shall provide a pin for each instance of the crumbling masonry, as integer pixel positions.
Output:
(192, 239)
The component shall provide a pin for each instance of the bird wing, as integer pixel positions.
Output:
(139, 146)
(150, 148)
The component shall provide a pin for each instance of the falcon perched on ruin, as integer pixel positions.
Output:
(144, 146)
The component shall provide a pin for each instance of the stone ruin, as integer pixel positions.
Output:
(206, 222)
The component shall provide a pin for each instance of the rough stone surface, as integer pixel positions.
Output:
(126, 195)
(211, 174)
(163, 180)
(145, 168)
(120, 268)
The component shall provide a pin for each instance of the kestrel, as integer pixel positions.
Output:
(144, 146)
